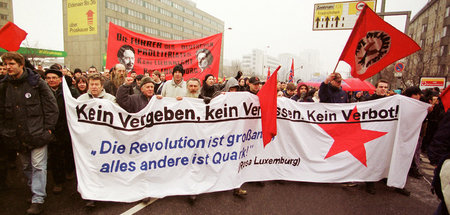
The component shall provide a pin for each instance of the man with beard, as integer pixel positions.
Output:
(330, 90)
(302, 94)
(117, 78)
(193, 88)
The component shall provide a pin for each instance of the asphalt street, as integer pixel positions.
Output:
(273, 198)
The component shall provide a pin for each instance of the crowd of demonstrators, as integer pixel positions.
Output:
(133, 93)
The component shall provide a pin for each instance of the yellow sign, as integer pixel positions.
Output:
(338, 15)
(81, 17)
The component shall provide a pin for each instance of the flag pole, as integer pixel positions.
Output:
(336, 66)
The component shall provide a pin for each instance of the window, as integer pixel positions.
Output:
(165, 12)
(206, 19)
(178, 17)
(3, 17)
(138, 2)
(151, 19)
(188, 21)
(189, 31)
(151, 7)
(177, 27)
(151, 31)
(190, 12)
(198, 34)
(115, 7)
(198, 25)
(167, 2)
(444, 31)
(118, 22)
(3, 5)
(165, 23)
(177, 37)
(177, 6)
(135, 14)
(198, 15)
(135, 26)
(165, 34)
(447, 11)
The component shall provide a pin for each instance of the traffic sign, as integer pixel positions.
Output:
(399, 67)
(338, 15)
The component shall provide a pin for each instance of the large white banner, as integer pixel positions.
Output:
(186, 147)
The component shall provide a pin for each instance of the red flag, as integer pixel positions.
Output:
(268, 101)
(291, 74)
(374, 44)
(268, 74)
(11, 37)
(445, 98)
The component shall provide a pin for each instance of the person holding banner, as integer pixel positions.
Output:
(176, 87)
(193, 88)
(28, 116)
(131, 102)
(95, 89)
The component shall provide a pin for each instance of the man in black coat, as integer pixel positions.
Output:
(61, 161)
(28, 115)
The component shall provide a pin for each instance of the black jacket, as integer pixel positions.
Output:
(28, 109)
(129, 101)
(62, 130)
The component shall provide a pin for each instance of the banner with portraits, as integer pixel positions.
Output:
(142, 53)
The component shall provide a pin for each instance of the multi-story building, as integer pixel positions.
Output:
(257, 63)
(429, 28)
(6, 12)
(165, 19)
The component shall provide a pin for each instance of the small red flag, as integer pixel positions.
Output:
(11, 37)
(374, 44)
(445, 98)
(268, 101)
(291, 74)
(268, 74)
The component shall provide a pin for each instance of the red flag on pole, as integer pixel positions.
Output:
(445, 98)
(374, 44)
(268, 101)
(11, 37)
(268, 74)
(291, 74)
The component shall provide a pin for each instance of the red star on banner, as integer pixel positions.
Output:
(350, 137)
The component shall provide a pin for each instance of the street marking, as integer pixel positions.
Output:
(138, 207)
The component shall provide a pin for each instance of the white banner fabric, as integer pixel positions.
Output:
(187, 147)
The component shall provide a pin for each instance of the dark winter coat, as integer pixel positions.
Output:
(129, 101)
(28, 109)
(327, 94)
(61, 129)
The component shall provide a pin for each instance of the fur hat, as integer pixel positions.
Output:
(147, 80)
(57, 72)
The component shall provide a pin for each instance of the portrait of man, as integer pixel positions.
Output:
(126, 57)
(204, 58)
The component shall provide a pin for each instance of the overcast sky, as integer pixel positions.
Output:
(285, 26)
